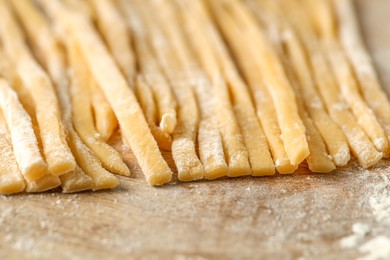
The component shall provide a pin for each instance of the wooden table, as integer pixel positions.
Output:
(345, 214)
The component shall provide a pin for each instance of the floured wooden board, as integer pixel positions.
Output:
(345, 214)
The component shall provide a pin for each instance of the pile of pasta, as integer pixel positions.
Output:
(230, 87)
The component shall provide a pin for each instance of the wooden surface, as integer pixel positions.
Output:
(344, 214)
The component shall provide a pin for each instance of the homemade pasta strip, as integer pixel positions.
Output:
(24, 141)
(184, 153)
(332, 135)
(215, 60)
(210, 143)
(105, 120)
(22, 136)
(153, 92)
(82, 113)
(134, 127)
(11, 179)
(57, 154)
(164, 121)
(211, 105)
(292, 129)
(42, 39)
(151, 72)
(211, 150)
(358, 141)
(346, 79)
(53, 60)
(264, 104)
(120, 47)
(47, 182)
(117, 37)
(145, 97)
(76, 181)
(370, 87)
(319, 160)
(102, 179)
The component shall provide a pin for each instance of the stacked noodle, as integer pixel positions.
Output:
(229, 87)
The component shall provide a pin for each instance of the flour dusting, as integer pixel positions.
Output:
(376, 249)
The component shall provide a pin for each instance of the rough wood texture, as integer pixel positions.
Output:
(310, 216)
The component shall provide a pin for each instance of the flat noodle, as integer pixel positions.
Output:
(7, 71)
(105, 121)
(345, 77)
(52, 57)
(11, 179)
(47, 182)
(76, 181)
(332, 135)
(102, 179)
(24, 142)
(153, 75)
(215, 60)
(134, 128)
(319, 160)
(265, 106)
(363, 67)
(145, 97)
(57, 154)
(358, 141)
(117, 37)
(153, 90)
(211, 150)
(82, 114)
(184, 153)
(293, 131)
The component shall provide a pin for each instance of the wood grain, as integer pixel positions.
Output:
(283, 217)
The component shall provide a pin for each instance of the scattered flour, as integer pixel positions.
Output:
(376, 249)
(380, 202)
(359, 232)
(378, 246)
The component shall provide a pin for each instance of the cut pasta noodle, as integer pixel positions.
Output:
(216, 61)
(76, 180)
(345, 77)
(332, 135)
(24, 142)
(264, 103)
(358, 141)
(145, 97)
(184, 153)
(153, 76)
(57, 154)
(117, 37)
(105, 121)
(211, 150)
(82, 114)
(292, 129)
(228, 88)
(11, 179)
(364, 70)
(133, 125)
